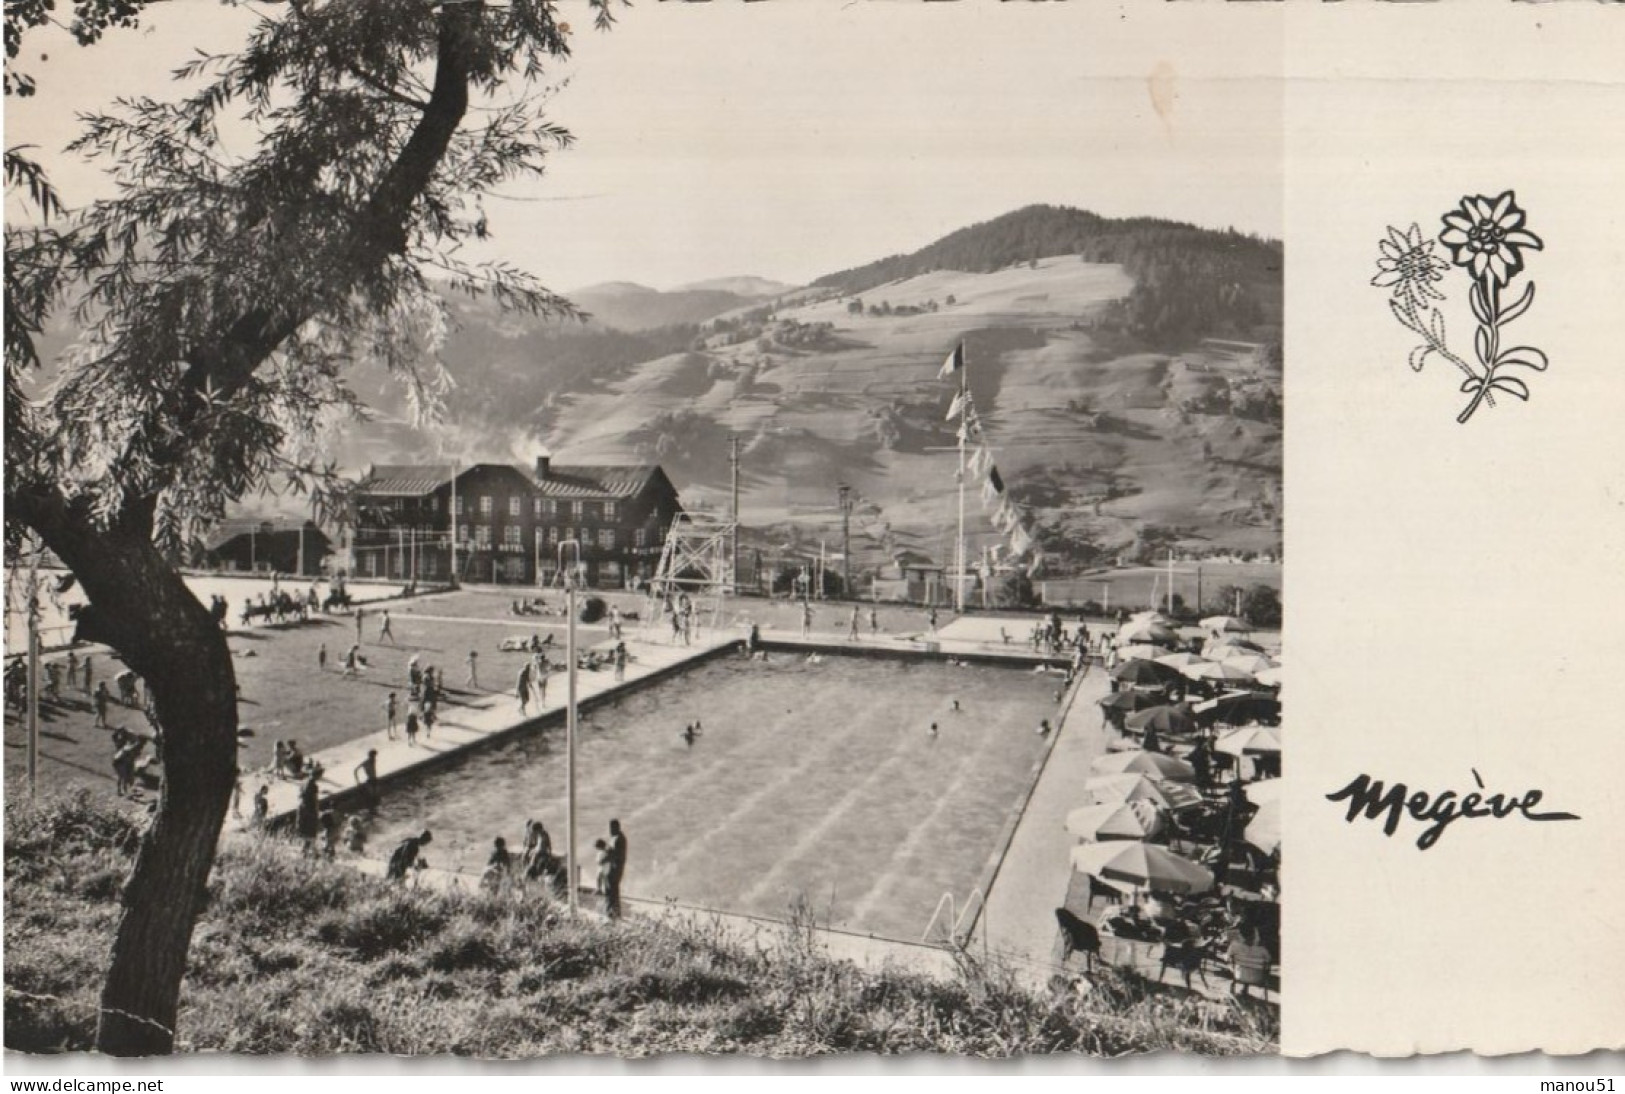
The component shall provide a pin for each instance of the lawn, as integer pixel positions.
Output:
(284, 695)
(810, 781)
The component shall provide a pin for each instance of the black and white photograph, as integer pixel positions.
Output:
(532, 532)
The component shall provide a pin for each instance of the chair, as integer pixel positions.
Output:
(1101, 889)
(1249, 969)
(1077, 936)
(1184, 957)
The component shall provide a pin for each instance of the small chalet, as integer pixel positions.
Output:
(263, 546)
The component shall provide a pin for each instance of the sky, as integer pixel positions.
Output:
(792, 138)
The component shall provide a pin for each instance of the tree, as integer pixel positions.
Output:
(221, 297)
(1261, 605)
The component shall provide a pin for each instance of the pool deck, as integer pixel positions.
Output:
(1026, 876)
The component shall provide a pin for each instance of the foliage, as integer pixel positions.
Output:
(299, 956)
(1261, 606)
(273, 226)
(223, 293)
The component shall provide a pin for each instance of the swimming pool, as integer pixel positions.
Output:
(809, 780)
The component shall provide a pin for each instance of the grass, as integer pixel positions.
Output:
(295, 956)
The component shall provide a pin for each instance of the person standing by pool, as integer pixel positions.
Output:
(73, 667)
(360, 613)
(88, 675)
(852, 629)
(366, 776)
(473, 668)
(391, 710)
(321, 657)
(355, 835)
(411, 726)
(100, 699)
(408, 855)
(617, 870)
(307, 819)
(262, 806)
(620, 661)
(384, 630)
(931, 620)
(806, 618)
(522, 688)
(606, 867)
(538, 678)
(874, 622)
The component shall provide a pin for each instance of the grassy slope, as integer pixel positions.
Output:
(308, 958)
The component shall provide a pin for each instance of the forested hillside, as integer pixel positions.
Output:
(1189, 282)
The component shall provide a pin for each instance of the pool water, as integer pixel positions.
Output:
(808, 780)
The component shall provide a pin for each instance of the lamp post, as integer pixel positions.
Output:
(570, 720)
(33, 682)
(845, 493)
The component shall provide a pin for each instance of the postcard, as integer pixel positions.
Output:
(784, 529)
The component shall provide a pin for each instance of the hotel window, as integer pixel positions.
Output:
(485, 505)
(552, 535)
(482, 535)
(606, 538)
(434, 503)
(510, 537)
(513, 506)
(576, 510)
(640, 538)
(609, 510)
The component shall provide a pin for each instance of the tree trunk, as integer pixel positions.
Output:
(143, 609)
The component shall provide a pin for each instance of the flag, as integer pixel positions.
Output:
(954, 407)
(973, 423)
(1020, 541)
(1037, 564)
(955, 362)
(1006, 517)
(981, 460)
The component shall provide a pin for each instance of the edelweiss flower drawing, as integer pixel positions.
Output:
(1409, 266)
(1487, 239)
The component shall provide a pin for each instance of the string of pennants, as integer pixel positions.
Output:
(1006, 516)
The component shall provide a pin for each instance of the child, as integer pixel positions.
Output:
(355, 835)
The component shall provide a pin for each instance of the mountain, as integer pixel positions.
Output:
(756, 288)
(626, 306)
(1127, 375)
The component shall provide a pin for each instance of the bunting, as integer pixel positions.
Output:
(1020, 541)
(993, 488)
(981, 460)
(973, 422)
(955, 406)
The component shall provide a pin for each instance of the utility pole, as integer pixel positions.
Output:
(570, 723)
(1198, 590)
(733, 463)
(1170, 583)
(845, 493)
(453, 575)
(33, 679)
